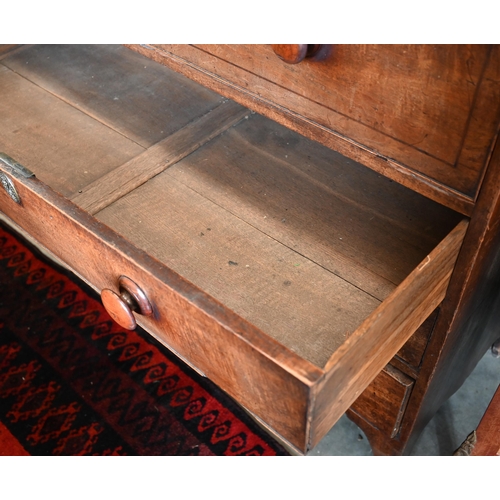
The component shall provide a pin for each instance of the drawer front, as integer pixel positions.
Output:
(430, 110)
(384, 401)
(259, 373)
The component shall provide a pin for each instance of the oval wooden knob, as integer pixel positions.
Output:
(293, 54)
(121, 307)
(118, 309)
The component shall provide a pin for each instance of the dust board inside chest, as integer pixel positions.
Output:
(73, 113)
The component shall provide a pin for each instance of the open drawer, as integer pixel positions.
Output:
(284, 272)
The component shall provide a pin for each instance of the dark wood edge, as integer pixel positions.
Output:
(482, 101)
(404, 366)
(488, 430)
(356, 151)
(408, 383)
(470, 317)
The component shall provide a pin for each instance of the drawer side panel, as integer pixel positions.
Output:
(383, 333)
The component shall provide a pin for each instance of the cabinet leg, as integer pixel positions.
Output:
(380, 444)
(495, 349)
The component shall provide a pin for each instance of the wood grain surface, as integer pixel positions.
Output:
(287, 273)
(134, 173)
(65, 147)
(125, 91)
(285, 241)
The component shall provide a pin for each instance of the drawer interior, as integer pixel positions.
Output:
(293, 237)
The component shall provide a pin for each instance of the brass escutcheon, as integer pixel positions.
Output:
(17, 169)
(8, 185)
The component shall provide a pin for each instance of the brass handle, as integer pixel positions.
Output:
(130, 299)
(293, 54)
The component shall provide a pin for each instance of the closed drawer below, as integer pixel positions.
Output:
(384, 401)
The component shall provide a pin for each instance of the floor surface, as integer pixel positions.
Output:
(455, 420)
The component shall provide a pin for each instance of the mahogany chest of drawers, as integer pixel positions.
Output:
(316, 238)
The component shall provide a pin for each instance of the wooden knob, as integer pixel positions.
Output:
(121, 307)
(118, 309)
(293, 54)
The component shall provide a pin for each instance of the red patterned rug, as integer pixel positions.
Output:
(72, 382)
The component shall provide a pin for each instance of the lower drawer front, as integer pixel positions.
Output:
(384, 401)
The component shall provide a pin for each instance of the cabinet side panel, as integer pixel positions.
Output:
(470, 317)
(468, 322)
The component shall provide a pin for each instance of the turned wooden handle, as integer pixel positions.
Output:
(121, 306)
(293, 54)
